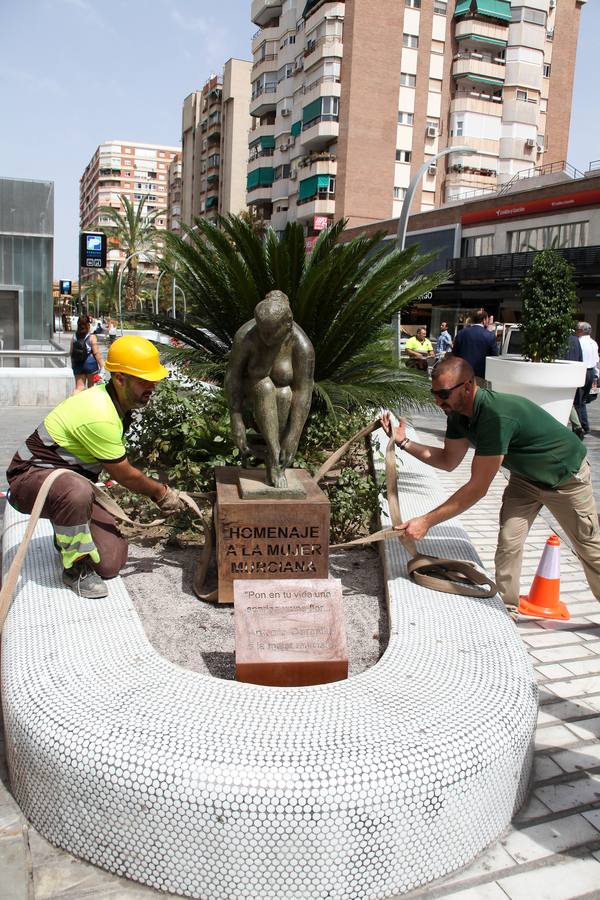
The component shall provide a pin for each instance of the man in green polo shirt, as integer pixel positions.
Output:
(547, 463)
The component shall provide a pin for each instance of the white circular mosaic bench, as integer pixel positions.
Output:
(220, 790)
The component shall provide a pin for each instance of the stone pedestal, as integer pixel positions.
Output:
(290, 633)
(269, 538)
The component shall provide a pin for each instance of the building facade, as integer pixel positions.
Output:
(349, 101)
(174, 192)
(215, 127)
(487, 246)
(26, 249)
(129, 169)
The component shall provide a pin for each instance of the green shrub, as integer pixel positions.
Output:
(549, 298)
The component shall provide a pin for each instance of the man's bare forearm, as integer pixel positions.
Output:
(433, 456)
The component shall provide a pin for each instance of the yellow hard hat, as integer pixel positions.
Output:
(134, 355)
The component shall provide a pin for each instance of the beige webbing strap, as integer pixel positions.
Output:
(451, 576)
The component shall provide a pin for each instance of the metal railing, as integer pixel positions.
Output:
(595, 164)
(58, 358)
(514, 266)
(536, 171)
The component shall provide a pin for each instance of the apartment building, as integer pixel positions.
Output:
(130, 169)
(214, 144)
(349, 101)
(174, 192)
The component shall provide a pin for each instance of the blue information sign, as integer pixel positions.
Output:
(92, 250)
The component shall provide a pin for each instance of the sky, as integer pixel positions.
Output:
(74, 73)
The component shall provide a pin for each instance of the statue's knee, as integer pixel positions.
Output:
(264, 389)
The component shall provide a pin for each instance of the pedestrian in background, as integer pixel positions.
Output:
(475, 343)
(85, 355)
(443, 344)
(589, 353)
(419, 349)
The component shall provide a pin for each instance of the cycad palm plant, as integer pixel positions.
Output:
(344, 296)
(135, 231)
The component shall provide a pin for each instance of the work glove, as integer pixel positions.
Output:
(172, 502)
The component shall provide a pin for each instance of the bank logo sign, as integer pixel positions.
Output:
(92, 250)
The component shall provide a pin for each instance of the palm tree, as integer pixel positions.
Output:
(136, 233)
(344, 296)
(104, 290)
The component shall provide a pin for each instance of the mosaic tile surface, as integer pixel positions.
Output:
(219, 790)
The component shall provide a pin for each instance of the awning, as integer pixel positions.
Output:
(496, 9)
(211, 179)
(312, 111)
(481, 39)
(296, 129)
(260, 178)
(472, 76)
(310, 5)
(462, 7)
(212, 202)
(310, 186)
(266, 141)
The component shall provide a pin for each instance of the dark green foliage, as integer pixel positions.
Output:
(184, 433)
(549, 297)
(343, 295)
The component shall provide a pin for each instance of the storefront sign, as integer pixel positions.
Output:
(320, 223)
(309, 243)
(64, 287)
(518, 210)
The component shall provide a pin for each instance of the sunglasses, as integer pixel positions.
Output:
(444, 393)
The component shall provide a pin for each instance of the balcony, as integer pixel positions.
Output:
(317, 164)
(326, 46)
(263, 99)
(320, 133)
(262, 11)
(480, 68)
(263, 36)
(482, 32)
(321, 205)
(477, 102)
(266, 63)
(259, 195)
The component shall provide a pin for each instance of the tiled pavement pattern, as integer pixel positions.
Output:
(552, 851)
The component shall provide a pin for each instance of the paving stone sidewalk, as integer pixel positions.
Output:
(552, 849)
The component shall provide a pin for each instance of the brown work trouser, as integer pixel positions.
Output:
(71, 502)
(573, 506)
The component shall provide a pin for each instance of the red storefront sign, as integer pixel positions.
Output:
(310, 242)
(517, 210)
(320, 223)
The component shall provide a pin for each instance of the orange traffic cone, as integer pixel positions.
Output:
(544, 601)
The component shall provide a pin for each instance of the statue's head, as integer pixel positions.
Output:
(273, 317)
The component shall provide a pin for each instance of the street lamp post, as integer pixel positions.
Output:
(156, 295)
(405, 211)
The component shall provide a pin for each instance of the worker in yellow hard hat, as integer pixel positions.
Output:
(84, 434)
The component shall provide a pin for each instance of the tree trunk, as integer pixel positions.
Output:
(130, 291)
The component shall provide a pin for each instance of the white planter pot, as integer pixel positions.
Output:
(551, 385)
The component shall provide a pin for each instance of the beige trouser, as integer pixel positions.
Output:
(573, 506)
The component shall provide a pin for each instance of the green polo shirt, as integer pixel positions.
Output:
(534, 445)
(87, 424)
